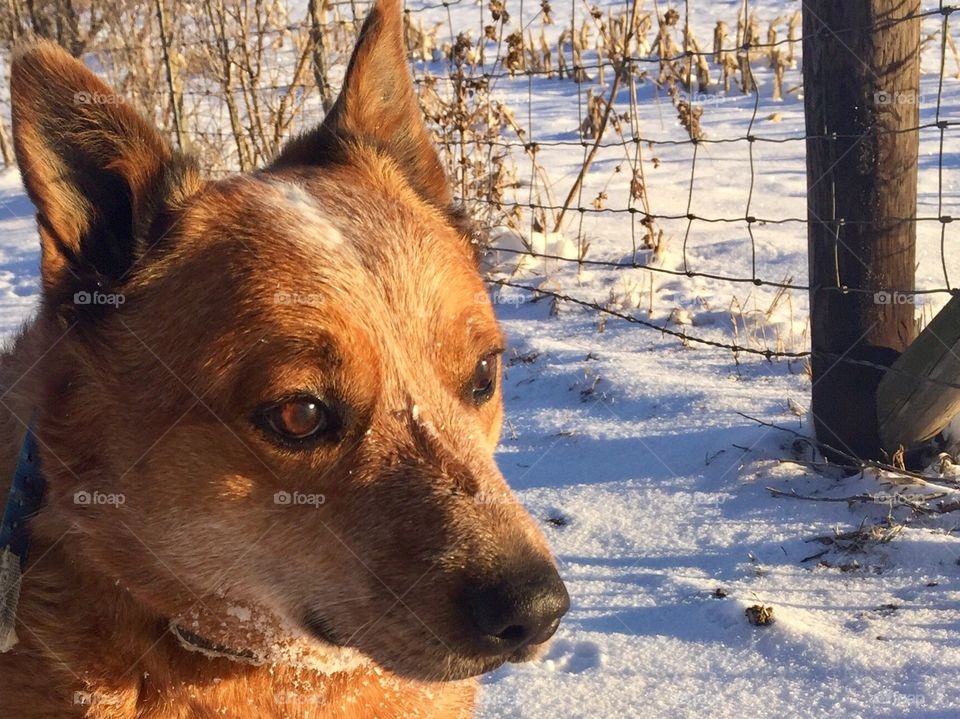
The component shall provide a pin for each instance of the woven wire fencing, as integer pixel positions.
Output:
(640, 159)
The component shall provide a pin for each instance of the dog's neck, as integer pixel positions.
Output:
(218, 643)
(107, 648)
(24, 500)
(215, 627)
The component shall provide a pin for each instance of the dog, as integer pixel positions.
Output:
(249, 435)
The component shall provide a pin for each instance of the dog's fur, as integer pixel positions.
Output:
(151, 401)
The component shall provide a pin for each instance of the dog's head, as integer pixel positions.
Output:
(280, 388)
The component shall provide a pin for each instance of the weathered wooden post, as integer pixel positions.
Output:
(861, 77)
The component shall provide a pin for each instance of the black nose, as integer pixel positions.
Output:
(519, 610)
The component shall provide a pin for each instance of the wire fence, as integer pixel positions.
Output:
(687, 87)
(595, 138)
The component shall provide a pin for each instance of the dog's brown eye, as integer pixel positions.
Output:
(300, 419)
(484, 380)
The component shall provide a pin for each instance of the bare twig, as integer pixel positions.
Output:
(856, 462)
(174, 99)
(864, 498)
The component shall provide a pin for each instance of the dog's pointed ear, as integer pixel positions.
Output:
(377, 105)
(96, 171)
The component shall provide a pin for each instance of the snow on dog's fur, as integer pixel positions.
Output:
(297, 402)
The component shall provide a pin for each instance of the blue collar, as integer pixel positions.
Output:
(26, 496)
(24, 500)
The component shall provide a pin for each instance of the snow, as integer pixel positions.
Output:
(634, 453)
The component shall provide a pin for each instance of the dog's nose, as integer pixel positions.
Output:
(518, 611)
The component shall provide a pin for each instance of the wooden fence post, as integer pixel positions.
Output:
(861, 77)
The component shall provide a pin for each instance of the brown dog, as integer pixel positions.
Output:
(265, 410)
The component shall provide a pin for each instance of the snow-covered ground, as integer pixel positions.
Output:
(634, 451)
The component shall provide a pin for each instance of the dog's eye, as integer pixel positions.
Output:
(299, 419)
(484, 380)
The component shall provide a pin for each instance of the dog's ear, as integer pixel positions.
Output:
(96, 171)
(377, 105)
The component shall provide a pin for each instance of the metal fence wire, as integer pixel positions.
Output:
(626, 136)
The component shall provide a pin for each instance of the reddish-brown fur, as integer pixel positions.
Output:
(380, 302)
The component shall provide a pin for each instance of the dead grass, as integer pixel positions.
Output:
(237, 78)
(240, 77)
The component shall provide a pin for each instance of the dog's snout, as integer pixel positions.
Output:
(518, 611)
